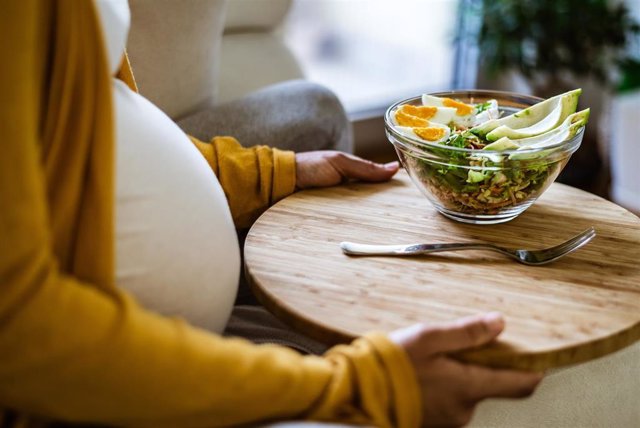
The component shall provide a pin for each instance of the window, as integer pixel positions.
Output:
(375, 52)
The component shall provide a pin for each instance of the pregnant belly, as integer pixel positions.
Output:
(176, 246)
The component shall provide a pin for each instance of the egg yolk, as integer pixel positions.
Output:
(405, 119)
(432, 133)
(462, 109)
(424, 112)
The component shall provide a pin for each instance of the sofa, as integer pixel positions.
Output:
(190, 55)
(252, 50)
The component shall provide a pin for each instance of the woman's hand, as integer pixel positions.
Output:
(451, 389)
(328, 168)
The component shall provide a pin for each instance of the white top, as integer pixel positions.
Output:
(176, 245)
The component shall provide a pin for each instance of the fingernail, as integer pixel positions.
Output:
(494, 321)
(392, 165)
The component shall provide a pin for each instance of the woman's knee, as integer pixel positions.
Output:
(327, 117)
(295, 115)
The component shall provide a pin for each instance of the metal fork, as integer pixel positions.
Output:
(528, 257)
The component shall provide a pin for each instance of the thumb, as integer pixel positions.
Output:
(351, 166)
(456, 336)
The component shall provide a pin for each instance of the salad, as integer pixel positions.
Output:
(475, 159)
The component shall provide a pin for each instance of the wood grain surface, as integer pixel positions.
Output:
(578, 308)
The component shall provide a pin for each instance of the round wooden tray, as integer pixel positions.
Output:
(578, 308)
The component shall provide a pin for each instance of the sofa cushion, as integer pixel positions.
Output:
(251, 61)
(255, 15)
(174, 47)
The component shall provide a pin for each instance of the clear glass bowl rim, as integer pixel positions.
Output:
(485, 94)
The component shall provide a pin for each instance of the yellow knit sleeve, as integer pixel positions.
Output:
(252, 178)
(386, 381)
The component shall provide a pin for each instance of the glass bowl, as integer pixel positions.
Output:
(513, 179)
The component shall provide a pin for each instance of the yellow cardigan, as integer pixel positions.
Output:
(72, 345)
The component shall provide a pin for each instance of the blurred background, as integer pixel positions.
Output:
(375, 52)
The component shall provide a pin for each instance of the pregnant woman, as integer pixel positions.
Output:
(102, 196)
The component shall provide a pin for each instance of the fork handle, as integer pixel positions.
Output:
(355, 249)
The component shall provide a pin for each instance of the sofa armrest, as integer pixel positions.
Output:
(254, 54)
(251, 61)
(255, 15)
(174, 47)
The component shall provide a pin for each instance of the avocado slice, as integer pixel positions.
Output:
(502, 144)
(574, 121)
(558, 135)
(534, 120)
(475, 176)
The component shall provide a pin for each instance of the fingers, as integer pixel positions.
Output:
(488, 383)
(354, 167)
(328, 168)
(461, 334)
(451, 389)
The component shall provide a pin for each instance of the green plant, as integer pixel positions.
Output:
(551, 37)
(630, 80)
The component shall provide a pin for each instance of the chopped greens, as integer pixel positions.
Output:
(483, 107)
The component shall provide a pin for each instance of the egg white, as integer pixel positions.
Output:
(491, 113)
(443, 115)
(430, 100)
(460, 120)
(469, 120)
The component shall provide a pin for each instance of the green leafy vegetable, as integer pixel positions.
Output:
(483, 106)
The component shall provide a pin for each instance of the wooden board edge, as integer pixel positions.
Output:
(294, 319)
(490, 356)
(499, 358)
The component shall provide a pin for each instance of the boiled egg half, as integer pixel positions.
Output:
(426, 123)
(465, 114)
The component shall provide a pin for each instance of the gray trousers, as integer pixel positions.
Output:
(295, 115)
